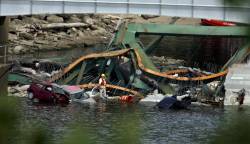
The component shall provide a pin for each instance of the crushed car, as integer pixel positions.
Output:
(48, 93)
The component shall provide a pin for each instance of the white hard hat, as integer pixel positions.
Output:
(37, 64)
(49, 88)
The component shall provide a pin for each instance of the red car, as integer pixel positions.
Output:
(212, 22)
(51, 93)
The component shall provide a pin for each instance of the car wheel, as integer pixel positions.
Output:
(36, 100)
(30, 95)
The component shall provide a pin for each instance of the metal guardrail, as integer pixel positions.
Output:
(160, 3)
(217, 9)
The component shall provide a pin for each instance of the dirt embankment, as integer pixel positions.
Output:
(28, 34)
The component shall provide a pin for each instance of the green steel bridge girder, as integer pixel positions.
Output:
(19, 78)
(128, 33)
(188, 30)
(239, 56)
(153, 44)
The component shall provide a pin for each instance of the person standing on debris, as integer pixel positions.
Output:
(102, 85)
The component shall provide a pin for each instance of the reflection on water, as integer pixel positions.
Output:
(111, 123)
(234, 126)
(120, 124)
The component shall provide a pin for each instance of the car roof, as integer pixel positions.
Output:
(56, 85)
(72, 89)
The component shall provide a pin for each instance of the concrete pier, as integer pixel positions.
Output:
(4, 21)
(3, 79)
(4, 28)
(4, 24)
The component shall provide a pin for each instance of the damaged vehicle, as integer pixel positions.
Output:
(48, 93)
(175, 102)
(77, 94)
(74, 92)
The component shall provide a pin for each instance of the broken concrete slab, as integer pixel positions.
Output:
(237, 79)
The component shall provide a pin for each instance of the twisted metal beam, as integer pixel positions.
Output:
(167, 74)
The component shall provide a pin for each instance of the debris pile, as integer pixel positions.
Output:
(237, 79)
(18, 90)
(123, 79)
(131, 72)
(28, 34)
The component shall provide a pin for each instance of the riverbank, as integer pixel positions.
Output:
(28, 34)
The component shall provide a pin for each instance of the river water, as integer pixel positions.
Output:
(137, 123)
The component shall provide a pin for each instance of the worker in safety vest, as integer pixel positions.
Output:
(102, 85)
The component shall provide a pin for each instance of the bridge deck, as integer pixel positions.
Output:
(216, 9)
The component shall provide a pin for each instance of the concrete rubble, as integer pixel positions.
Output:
(18, 90)
(237, 79)
(28, 34)
(52, 32)
(44, 70)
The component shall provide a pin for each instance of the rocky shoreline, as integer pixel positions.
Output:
(28, 34)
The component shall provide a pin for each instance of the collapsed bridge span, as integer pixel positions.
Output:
(129, 69)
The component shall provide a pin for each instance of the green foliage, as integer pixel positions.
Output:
(8, 119)
(236, 2)
(79, 135)
(36, 135)
(239, 2)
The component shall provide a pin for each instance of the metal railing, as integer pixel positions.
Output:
(160, 3)
(217, 9)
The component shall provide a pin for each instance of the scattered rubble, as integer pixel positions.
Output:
(18, 90)
(54, 32)
(31, 33)
(146, 17)
(237, 79)
(164, 63)
(43, 70)
(54, 19)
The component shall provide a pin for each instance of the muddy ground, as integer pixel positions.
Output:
(28, 34)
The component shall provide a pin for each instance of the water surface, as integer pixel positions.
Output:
(111, 123)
